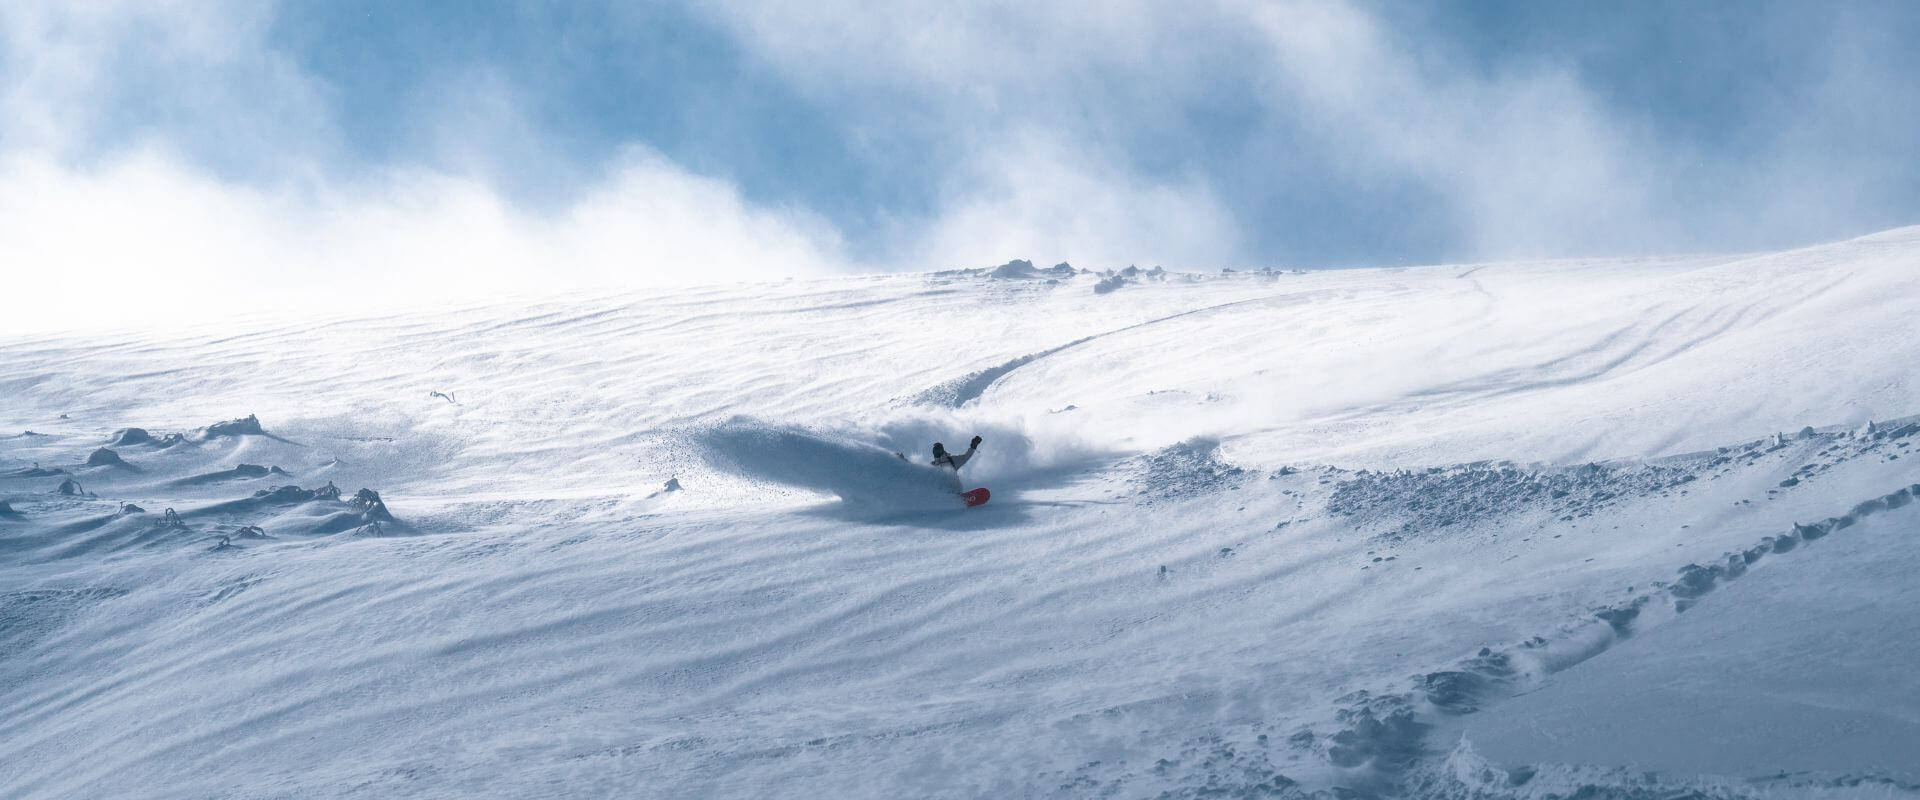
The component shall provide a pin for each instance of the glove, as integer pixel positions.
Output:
(976, 441)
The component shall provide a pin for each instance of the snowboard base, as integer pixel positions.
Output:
(977, 497)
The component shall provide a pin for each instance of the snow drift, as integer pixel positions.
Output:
(1358, 533)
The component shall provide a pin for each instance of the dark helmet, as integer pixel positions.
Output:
(939, 448)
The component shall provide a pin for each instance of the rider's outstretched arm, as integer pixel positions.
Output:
(960, 459)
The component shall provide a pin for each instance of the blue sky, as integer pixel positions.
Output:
(517, 144)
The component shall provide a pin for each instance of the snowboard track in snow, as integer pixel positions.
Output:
(1387, 730)
(968, 388)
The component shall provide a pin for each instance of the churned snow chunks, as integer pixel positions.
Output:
(1408, 502)
(1426, 500)
(1382, 731)
(1490, 674)
(1788, 671)
(1477, 680)
(1187, 469)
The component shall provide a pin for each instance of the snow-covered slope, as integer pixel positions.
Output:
(1805, 668)
(1366, 532)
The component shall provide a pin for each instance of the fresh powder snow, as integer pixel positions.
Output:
(1638, 528)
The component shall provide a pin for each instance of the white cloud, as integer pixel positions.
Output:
(143, 240)
(139, 233)
(989, 55)
(1033, 195)
(1020, 97)
(72, 70)
(1530, 161)
(1512, 157)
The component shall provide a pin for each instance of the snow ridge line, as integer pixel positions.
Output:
(1896, 428)
(1385, 733)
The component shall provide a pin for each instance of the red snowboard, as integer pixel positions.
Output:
(977, 497)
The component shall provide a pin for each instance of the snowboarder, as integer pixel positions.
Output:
(952, 461)
(942, 458)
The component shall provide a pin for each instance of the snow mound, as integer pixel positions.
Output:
(1022, 269)
(246, 426)
(292, 509)
(239, 473)
(127, 437)
(105, 457)
(1017, 268)
(266, 514)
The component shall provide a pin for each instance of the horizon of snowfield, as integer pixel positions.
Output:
(1607, 528)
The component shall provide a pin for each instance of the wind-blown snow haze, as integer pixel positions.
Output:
(1474, 401)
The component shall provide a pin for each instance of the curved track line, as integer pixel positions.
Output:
(966, 389)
